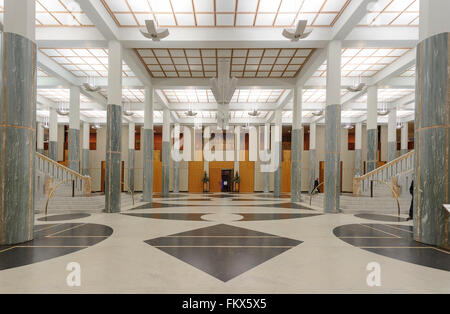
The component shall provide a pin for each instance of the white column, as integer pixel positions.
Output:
(74, 110)
(131, 134)
(372, 131)
(392, 134)
(372, 107)
(86, 133)
(296, 146)
(358, 136)
(40, 138)
(267, 149)
(53, 134)
(278, 149)
(147, 146)
(20, 18)
(165, 153)
(433, 18)
(85, 149)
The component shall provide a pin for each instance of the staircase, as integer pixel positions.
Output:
(51, 173)
(395, 173)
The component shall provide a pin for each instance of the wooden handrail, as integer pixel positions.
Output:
(396, 160)
(85, 179)
(57, 164)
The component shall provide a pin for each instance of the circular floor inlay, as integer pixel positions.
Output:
(395, 241)
(222, 217)
(64, 217)
(53, 240)
(381, 217)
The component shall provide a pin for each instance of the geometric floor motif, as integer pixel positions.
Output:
(223, 251)
(53, 240)
(395, 241)
(64, 217)
(381, 217)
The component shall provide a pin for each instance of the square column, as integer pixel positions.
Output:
(53, 135)
(18, 122)
(312, 156)
(74, 129)
(358, 149)
(277, 153)
(404, 138)
(266, 150)
(176, 163)
(165, 153)
(85, 149)
(392, 134)
(372, 129)
(296, 146)
(40, 138)
(333, 129)
(131, 140)
(113, 129)
(147, 145)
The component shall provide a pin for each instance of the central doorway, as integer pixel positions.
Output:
(226, 180)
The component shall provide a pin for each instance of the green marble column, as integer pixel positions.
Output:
(18, 122)
(432, 140)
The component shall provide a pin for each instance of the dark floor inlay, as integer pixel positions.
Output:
(279, 205)
(395, 241)
(159, 205)
(53, 240)
(64, 217)
(172, 216)
(270, 216)
(381, 217)
(223, 251)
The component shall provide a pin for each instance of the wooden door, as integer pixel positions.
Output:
(195, 176)
(215, 178)
(247, 175)
(157, 176)
(286, 176)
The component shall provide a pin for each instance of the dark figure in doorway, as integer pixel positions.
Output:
(411, 191)
(316, 184)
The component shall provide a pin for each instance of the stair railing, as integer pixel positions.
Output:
(384, 173)
(61, 173)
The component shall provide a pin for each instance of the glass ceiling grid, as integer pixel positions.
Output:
(225, 13)
(59, 95)
(84, 62)
(239, 96)
(202, 63)
(364, 62)
(392, 13)
(57, 13)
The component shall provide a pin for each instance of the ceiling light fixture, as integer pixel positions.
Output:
(297, 33)
(357, 86)
(153, 33)
(128, 112)
(317, 113)
(90, 85)
(63, 109)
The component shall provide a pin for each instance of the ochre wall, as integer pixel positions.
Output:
(157, 176)
(286, 176)
(247, 175)
(195, 171)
